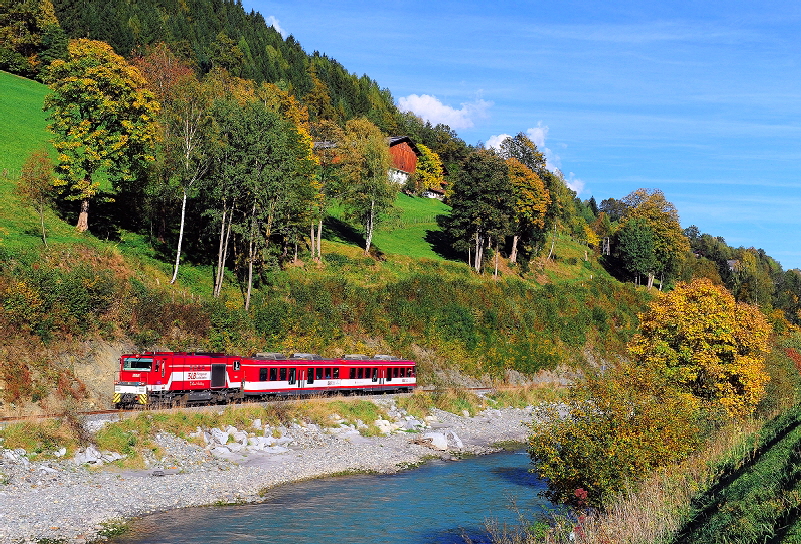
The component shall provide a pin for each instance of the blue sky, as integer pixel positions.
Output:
(700, 99)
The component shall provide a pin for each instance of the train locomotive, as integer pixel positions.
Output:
(179, 378)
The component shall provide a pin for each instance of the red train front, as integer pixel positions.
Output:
(177, 378)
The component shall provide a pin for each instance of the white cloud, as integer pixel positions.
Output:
(538, 134)
(575, 183)
(273, 22)
(495, 141)
(431, 109)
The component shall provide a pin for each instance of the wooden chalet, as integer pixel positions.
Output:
(404, 158)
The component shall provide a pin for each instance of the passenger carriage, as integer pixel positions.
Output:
(305, 373)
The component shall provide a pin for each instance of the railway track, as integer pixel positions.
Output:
(97, 414)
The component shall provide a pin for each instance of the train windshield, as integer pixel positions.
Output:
(137, 363)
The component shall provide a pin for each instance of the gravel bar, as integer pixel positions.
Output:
(70, 500)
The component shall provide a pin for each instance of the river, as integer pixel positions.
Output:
(437, 503)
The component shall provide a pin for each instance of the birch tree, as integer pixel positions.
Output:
(366, 189)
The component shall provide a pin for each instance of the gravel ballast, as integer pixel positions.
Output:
(73, 500)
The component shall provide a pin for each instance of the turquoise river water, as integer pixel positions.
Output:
(438, 503)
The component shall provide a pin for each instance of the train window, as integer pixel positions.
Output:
(327, 373)
(397, 372)
(351, 373)
(291, 376)
(273, 374)
(262, 374)
(402, 372)
(137, 363)
(283, 375)
(411, 372)
(237, 365)
(361, 373)
(319, 373)
(336, 373)
(375, 374)
(310, 378)
(389, 374)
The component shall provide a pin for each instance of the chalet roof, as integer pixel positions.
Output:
(395, 140)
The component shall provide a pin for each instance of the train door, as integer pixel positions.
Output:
(301, 375)
(218, 375)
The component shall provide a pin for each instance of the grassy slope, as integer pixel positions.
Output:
(403, 234)
(23, 128)
(401, 238)
(22, 122)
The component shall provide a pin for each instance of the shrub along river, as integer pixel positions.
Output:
(438, 503)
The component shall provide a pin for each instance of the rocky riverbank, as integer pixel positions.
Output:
(84, 498)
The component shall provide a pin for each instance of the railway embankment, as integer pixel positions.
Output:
(90, 496)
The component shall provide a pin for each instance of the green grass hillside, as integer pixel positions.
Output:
(22, 121)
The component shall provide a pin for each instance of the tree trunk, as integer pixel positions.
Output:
(180, 240)
(225, 250)
(369, 228)
(83, 217)
(513, 255)
(250, 256)
(41, 216)
(222, 250)
(319, 236)
(497, 250)
(480, 242)
(550, 252)
(650, 280)
(312, 244)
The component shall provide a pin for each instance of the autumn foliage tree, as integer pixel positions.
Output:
(659, 216)
(620, 427)
(698, 337)
(102, 117)
(531, 203)
(428, 173)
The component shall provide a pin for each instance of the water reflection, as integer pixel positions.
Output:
(438, 503)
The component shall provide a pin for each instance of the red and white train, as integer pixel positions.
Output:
(177, 378)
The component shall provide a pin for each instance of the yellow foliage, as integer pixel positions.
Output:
(702, 339)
